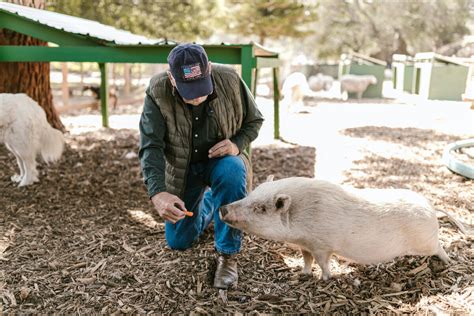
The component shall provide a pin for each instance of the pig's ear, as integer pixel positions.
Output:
(269, 178)
(282, 202)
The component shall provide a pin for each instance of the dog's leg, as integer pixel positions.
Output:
(17, 177)
(31, 174)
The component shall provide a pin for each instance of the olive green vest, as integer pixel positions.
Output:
(178, 137)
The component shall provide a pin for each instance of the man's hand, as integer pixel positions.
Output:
(223, 148)
(164, 203)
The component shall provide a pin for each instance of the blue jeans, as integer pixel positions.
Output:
(210, 185)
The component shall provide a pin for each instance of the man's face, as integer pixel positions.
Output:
(195, 101)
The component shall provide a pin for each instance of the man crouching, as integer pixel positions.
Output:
(194, 128)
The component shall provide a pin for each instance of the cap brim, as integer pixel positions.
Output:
(195, 89)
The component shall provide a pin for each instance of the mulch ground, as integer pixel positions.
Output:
(85, 239)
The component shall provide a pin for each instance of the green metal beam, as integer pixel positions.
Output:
(247, 62)
(104, 94)
(117, 54)
(40, 31)
(267, 62)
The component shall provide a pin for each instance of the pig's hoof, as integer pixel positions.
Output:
(308, 271)
(438, 266)
(325, 277)
(305, 276)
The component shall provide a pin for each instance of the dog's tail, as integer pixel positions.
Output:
(52, 144)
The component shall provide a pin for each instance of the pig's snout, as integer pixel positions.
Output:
(223, 211)
(228, 215)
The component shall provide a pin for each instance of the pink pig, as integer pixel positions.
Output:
(366, 226)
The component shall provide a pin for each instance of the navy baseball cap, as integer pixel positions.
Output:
(189, 66)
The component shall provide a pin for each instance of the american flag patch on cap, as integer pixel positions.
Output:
(191, 72)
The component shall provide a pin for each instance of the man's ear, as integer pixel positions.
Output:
(210, 67)
(282, 202)
(270, 178)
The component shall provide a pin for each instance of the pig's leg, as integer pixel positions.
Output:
(308, 261)
(443, 255)
(322, 258)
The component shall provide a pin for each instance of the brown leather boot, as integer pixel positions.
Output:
(226, 271)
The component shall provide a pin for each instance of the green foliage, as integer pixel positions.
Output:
(179, 20)
(270, 19)
(381, 28)
(376, 28)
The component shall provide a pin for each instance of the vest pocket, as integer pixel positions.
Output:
(213, 128)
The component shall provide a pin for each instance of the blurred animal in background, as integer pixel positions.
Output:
(26, 133)
(356, 84)
(96, 93)
(320, 82)
(294, 88)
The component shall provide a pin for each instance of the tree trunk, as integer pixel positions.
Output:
(402, 47)
(65, 84)
(25, 77)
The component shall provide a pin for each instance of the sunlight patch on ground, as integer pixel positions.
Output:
(450, 304)
(89, 123)
(293, 262)
(336, 267)
(144, 218)
(5, 243)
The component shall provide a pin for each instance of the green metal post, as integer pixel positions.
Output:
(254, 82)
(248, 63)
(104, 94)
(276, 104)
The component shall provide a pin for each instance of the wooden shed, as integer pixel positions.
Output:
(438, 77)
(402, 69)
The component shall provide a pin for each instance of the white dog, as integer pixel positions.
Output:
(294, 88)
(26, 133)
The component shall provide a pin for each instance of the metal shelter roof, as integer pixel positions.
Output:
(402, 58)
(433, 57)
(80, 26)
(81, 40)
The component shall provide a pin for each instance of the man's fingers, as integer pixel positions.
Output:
(180, 205)
(175, 210)
(172, 217)
(171, 220)
(217, 146)
(218, 153)
(225, 148)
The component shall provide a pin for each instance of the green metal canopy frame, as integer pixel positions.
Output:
(75, 47)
